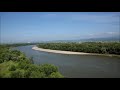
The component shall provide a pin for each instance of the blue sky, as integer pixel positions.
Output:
(44, 26)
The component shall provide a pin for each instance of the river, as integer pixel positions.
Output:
(76, 66)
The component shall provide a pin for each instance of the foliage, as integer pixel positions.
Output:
(88, 47)
(12, 68)
(14, 64)
(18, 44)
(56, 75)
(48, 69)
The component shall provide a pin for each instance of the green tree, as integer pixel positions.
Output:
(55, 75)
(103, 50)
(48, 69)
(12, 68)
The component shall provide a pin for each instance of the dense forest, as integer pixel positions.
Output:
(18, 44)
(88, 47)
(14, 64)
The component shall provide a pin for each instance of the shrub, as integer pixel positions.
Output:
(48, 69)
(16, 74)
(12, 68)
(35, 74)
(55, 75)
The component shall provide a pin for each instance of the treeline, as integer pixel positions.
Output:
(18, 44)
(14, 64)
(88, 47)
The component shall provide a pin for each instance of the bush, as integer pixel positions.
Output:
(12, 68)
(55, 75)
(48, 69)
(27, 73)
(35, 74)
(14, 64)
(17, 74)
(103, 50)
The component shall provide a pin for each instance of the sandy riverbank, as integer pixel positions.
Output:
(70, 52)
(58, 51)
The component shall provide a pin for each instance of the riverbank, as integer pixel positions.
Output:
(70, 52)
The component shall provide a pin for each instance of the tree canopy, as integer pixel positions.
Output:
(14, 64)
(88, 47)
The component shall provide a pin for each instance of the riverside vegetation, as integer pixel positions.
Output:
(14, 64)
(87, 47)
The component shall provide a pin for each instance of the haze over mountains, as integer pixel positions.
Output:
(27, 27)
(115, 38)
(88, 40)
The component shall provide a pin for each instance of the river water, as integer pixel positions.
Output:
(77, 66)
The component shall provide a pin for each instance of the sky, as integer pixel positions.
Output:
(46, 26)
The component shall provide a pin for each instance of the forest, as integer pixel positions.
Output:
(14, 64)
(18, 44)
(88, 47)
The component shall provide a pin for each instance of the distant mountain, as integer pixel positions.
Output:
(89, 40)
(104, 39)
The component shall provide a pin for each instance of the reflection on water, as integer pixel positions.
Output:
(77, 66)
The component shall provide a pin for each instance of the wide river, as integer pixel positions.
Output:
(77, 66)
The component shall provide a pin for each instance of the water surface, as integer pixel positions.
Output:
(77, 66)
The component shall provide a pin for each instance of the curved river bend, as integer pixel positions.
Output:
(77, 66)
